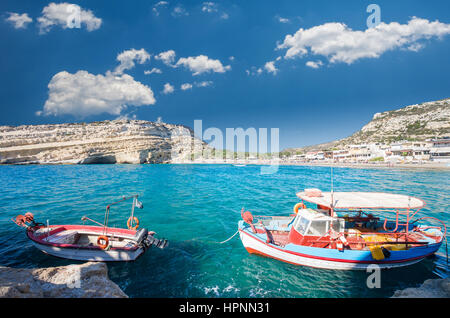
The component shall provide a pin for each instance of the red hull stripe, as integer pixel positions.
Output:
(331, 259)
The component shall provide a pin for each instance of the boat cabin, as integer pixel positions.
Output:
(314, 223)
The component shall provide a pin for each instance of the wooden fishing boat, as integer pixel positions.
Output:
(341, 230)
(92, 242)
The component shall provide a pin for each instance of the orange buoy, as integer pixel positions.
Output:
(298, 206)
(20, 220)
(129, 222)
(247, 217)
(29, 217)
(105, 240)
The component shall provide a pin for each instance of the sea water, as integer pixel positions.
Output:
(196, 206)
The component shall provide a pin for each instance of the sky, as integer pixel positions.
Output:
(317, 70)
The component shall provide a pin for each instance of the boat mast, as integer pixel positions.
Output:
(332, 194)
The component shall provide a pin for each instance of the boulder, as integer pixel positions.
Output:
(431, 288)
(88, 280)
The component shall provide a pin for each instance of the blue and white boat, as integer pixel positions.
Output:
(345, 230)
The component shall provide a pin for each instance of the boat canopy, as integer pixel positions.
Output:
(364, 200)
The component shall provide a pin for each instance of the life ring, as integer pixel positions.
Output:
(105, 239)
(136, 220)
(298, 206)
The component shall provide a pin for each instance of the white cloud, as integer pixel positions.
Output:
(209, 7)
(19, 21)
(179, 11)
(313, 64)
(167, 57)
(83, 94)
(270, 67)
(186, 86)
(153, 70)
(339, 43)
(127, 59)
(168, 89)
(67, 15)
(202, 64)
(212, 7)
(283, 20)
(158, 5)
(204, 84)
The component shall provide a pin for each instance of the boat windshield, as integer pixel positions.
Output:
(301, 225)
(318, 227)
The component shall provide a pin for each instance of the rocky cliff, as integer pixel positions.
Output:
(117, 141)
(413, 122)
(86, 280)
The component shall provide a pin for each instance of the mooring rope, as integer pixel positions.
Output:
(229, 238)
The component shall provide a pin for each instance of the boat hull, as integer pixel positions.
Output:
(90, 255)
(85, 253)
(331, 259)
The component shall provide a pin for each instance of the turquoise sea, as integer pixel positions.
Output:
(196, 206)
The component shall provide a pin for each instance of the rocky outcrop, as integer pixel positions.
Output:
(431, 288)
(85, 280)
(117, 141)
(414, 122)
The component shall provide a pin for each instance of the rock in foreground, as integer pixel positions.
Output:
(431, 288)
(72, 281)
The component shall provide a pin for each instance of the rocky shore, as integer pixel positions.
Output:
(88, 280)
(116, 141)
(431, 288)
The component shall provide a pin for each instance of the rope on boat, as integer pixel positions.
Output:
(229, 238)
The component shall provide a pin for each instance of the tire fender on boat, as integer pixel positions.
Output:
(136, 220)
(105, 244)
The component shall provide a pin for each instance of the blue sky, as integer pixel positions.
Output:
(309, 105)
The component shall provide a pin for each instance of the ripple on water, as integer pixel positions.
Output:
(196, 206)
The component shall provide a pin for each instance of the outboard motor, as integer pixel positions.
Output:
(150, 240)
(141, 235)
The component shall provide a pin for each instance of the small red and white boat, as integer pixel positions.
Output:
(341, 230)
(92, 242)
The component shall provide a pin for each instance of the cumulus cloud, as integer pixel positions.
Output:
(19, 21)
(153, 70)
(270, 67)
(313, 64)
(202, 64)
(67, 15)
(186, 86)
(168, 89)
(127, 59)
(83, 94)
(167, 57)
(339, 43)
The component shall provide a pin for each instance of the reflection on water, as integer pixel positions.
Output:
(195, 206)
